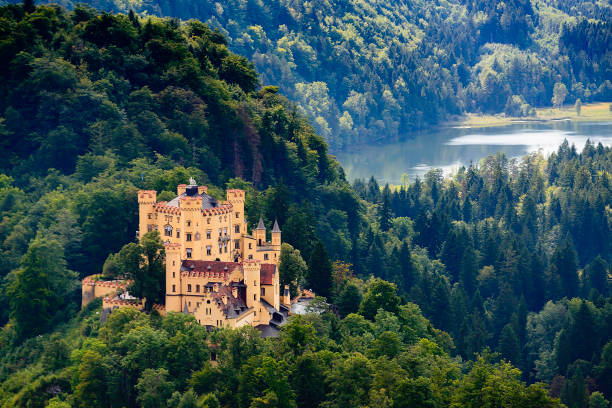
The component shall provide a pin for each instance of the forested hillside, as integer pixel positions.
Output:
(370, 70)
(487, 288)
(96, 106)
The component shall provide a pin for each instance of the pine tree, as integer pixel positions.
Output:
(407, 267)
(566, 264)
(596, 276)
(29, 6)
(385, 212)
(509, 346)
(320, 271)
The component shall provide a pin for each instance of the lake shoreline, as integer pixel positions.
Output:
(593, 112)
(449, 148)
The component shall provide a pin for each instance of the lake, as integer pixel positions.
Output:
(450, 148)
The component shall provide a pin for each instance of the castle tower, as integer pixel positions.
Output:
(276, 235)
(252, 280)
(260, 233)
(238, 226)
(191, 209)
(173, 277)
(146, 201)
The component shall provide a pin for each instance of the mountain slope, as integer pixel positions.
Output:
(371, 70)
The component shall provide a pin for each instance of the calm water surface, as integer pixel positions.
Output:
(451, 148)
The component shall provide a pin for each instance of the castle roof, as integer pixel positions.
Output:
(215, 267)
(233, 306)
(261, 225)
(223, 270)
(207, 201)
(276, 228)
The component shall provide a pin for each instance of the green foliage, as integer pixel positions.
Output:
(153, 388)
(364, 71)
(292, 269)
(379, 295)
(320, 271)
(38, 290)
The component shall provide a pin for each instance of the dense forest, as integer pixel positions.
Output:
(366, 70)
(488, 288)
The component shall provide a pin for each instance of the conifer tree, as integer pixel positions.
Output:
(509, 346)
(385, 211)
(29, 5)
(407, 267)
(566, 268)
(320, 271)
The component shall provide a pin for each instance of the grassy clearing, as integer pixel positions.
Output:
(589, 113)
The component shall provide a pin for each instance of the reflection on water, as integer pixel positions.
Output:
(450, 148)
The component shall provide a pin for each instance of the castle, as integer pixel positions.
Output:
(215, 270)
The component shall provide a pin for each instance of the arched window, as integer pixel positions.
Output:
(168, 230)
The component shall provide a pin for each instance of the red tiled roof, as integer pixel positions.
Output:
(267, 273)
(217, 268)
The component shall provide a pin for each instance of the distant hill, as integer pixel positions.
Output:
(370, 70)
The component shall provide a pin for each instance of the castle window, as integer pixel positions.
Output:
(225, 218)
(225, 231)
(173, 273)
(220, 232)
(208, 220)
(220, 219)
(208, 301)
(188, 236)
(208, 250)
(254, 296)
(237, 244)
(178, 233)
(168, 230)
(149, 216)
(190, 303)
(263, 291)
(189, 288)
(174, 288)
(197, 236)
(225, 246)
(220, 248)
(198, 289)
(189, 223)
(149, 228)
(208, 233)
(250, 256)
(188, 250)
(266, 257)
(236, 229)
(250, 246)
(237, 215)
(260, 242)
(254, 283)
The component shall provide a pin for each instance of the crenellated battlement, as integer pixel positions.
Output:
(147, 197)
